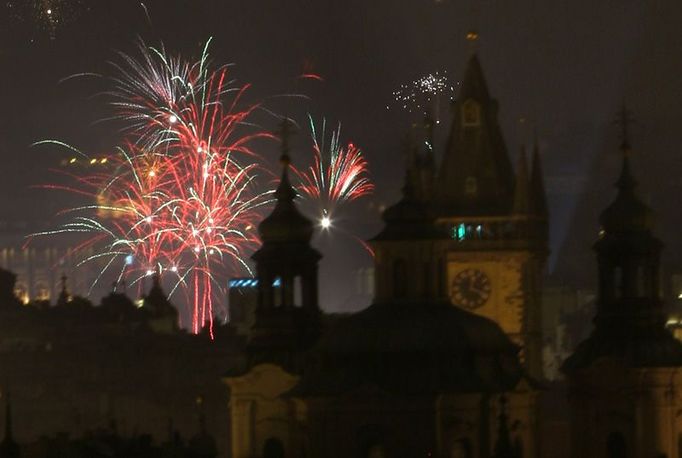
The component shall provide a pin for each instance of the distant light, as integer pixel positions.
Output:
(277, 282)
(129, 259)
(197, 249)
(72, 160)
(103, 161)
(174, 269)
(679, 296)
(139, 303)
(49, 11)
(249, 227)
(211, 251)
(148, 219)
(172, 119)
(93, 161)
(150, 272)
(325, 222)
(200, 149)
(195, 232)
(152, 173)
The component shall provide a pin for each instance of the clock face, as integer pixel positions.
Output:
(470, 289)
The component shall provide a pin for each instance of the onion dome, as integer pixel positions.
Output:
(627, 213)
(408, 219)
(285, 223)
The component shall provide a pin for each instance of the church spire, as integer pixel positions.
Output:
(538, 194)
(285, 324)
(630, 321)
(64, 296)
(476, 176)
(521, 191)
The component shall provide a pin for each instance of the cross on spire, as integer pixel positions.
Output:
(284, 132)
(624, 120)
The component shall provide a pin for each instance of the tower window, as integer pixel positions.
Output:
(459, 232)
(470, 186)
(471, 113)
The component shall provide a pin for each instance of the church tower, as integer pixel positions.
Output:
(496, 220)
(287, 324)
(625, 379)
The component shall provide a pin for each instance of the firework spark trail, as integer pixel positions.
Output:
(182, 197)
(425, 93)
(339, 174)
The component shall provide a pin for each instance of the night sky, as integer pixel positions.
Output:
(560, 68)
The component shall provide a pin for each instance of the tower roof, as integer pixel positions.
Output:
(476, 176)
(285, 223)
(538, 195)
(627, 213)
(630, 320)
(521, 187)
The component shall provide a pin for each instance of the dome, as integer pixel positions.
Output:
(285, 223)
(412, 349)
(627, 213)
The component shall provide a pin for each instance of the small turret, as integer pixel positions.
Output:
(521, 188)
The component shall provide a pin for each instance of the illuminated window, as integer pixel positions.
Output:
(471, 113)
(470, 186)
(459, 232)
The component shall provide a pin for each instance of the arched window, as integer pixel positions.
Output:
(273, 448)
(470, 186)
(640, 283)
(615, 446)
(298, 291)
(471, 113)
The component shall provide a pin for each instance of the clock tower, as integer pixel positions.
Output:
(496, 220)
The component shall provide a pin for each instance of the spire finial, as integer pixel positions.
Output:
(626, 181)
(472, 38)
(624, 120)
(284, 133)
(63, 297)
(285, 192)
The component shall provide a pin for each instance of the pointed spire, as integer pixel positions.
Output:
(474, 84)
(626, 182)
(285, 223)
(627, 213)
(285, 192)
(521, 194)
(64, 296)
(538, 194)
(503, 444)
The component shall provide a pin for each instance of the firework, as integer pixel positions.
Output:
(338, 174)
(47, 16)
(181, 199)
(425, 94)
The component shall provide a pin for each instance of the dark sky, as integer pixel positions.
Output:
(564, 66)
